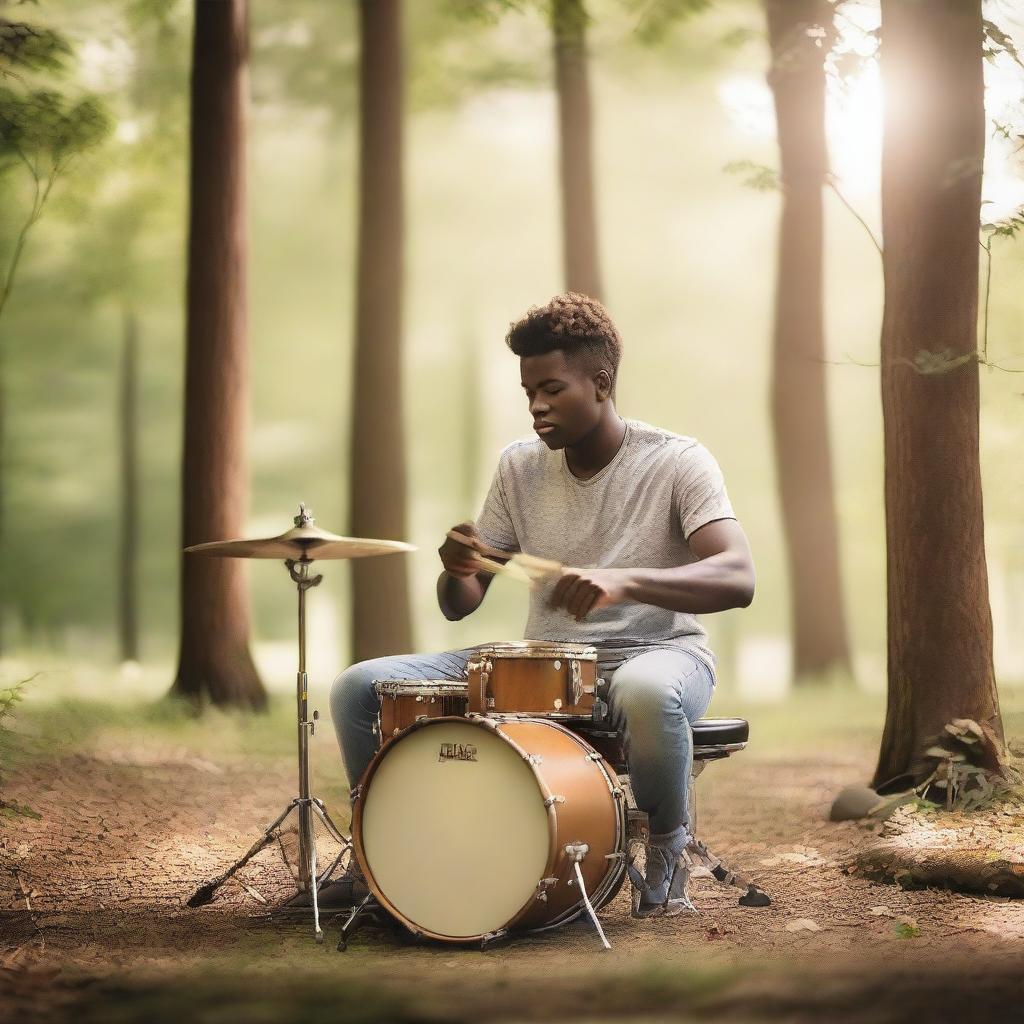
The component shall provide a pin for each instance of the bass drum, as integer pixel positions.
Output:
(467, 828)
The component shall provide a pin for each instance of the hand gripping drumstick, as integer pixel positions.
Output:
(520, 566)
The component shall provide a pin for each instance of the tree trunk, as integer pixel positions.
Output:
(940, 625)
(381, 621)
(576, 168)
(128, 428)
(799, 400)
(214, 659)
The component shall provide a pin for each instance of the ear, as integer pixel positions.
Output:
(603, 385)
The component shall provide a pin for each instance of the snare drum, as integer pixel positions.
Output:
(467, 828)
(405, 701)
(534, 677)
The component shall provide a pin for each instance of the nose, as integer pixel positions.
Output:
(539, 406)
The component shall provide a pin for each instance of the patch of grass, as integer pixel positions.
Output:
(78, 724)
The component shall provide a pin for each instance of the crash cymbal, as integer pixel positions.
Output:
(303, 540)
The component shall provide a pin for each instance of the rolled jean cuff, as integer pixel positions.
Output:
(674, 841)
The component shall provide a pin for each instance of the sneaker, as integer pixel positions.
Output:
(662, 890)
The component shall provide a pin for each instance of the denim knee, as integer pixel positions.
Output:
(639, 696)
(353, 691)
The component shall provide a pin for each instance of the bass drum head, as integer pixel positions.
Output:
(453, 831)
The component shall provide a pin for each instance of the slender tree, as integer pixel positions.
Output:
(575, 153)
(128, 432)
(798, 31)
(381, 621)
(939, 621)
(214, 659)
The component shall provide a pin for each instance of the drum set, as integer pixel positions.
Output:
(504, 787)
(484, 787)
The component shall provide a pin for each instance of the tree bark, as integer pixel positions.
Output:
(128, 428)
(799, 398)
(939, 621)
(576, 165)
(381, 621)
(214, 659)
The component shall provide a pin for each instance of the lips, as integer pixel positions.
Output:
(543, 428)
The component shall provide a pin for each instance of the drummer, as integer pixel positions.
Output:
(645, 512)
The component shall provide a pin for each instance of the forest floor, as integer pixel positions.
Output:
(138, 803)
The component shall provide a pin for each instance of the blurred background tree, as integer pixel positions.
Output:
(800, 36)
(381, 617)
(214, 660)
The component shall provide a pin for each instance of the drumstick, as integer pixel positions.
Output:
(520, 566)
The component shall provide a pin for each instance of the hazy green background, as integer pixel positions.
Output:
(688, 256)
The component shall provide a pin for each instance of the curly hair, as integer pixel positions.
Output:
(574, 323)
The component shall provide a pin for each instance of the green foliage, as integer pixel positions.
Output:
(907, 930)
(1008, 227)
(484, 12)
(28, 48)
(657, 18)
(43, 129)
(10, 697)
(753, 175)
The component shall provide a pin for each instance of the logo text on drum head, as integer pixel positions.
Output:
(457, 752)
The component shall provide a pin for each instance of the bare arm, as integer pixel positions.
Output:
(462, 585)
(457, 597)
(721, 578)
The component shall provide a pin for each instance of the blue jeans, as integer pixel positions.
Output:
(654, 695)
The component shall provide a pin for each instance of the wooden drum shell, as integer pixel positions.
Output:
(532, 678)
(403, 702)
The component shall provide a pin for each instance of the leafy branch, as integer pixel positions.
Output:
(41, 132)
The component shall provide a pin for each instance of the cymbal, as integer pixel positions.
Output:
(304, 540)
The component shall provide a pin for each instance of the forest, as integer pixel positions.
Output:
(264, 254)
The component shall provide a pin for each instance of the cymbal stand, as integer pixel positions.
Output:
(305, 803)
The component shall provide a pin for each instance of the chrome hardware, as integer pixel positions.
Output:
(576, 851)
(554, 800)
(576, 679)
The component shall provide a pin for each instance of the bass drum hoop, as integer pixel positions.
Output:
(602, 895)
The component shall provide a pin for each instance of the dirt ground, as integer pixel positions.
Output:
(137, 806)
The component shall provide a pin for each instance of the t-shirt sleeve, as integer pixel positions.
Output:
(495, 520)
(701, 497)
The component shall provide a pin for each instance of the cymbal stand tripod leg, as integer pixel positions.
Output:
(204, 894)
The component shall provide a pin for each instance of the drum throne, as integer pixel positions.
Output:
(713, 740)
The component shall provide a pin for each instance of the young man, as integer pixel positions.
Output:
(645, 516)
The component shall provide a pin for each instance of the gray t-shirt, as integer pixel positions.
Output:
(637, 512)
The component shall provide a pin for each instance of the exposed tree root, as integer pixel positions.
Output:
(974, 852)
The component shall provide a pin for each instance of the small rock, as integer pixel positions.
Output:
(803, 924)
(853, 802)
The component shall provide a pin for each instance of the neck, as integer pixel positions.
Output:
(594, 451)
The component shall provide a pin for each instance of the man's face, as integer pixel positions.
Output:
(563, 397)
